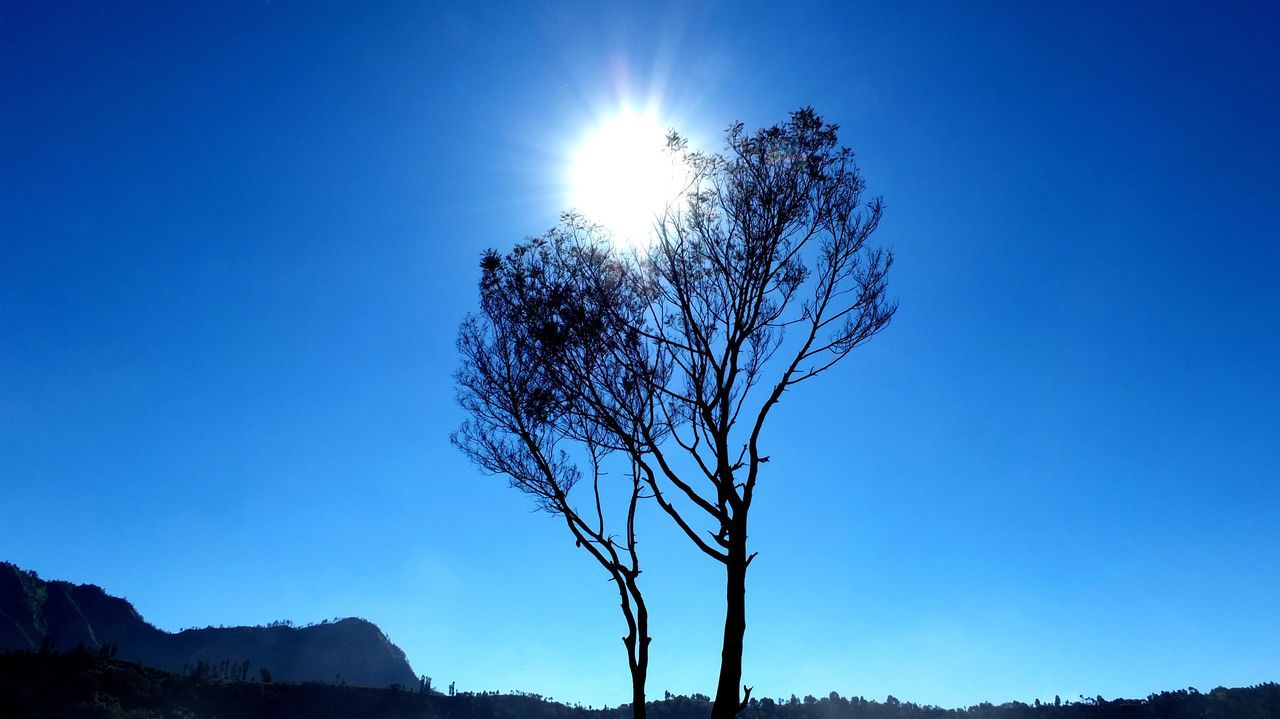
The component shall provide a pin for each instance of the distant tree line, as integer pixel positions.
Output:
(225, 669)
(1255, 702)
(92, 684)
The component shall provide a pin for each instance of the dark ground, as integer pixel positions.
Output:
(84, 685)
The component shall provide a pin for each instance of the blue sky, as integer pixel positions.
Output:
(236, 241)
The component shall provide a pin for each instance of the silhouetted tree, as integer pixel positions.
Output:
(522, 422)
(759, 278)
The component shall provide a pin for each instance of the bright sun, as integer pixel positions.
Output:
(623, 177)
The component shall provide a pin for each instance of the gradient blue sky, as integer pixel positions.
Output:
(236, 240)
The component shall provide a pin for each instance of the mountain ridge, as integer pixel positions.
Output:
(56, 615)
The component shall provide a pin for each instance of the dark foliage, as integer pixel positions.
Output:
(85, 685)
(82, 685)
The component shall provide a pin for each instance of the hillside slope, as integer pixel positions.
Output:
(60, 616)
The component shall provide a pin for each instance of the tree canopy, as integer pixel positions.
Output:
(759, 277)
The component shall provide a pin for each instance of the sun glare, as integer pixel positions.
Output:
(623, 177)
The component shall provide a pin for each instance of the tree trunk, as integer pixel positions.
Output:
(637, 641)
(727, 703)
(638, 672)
(640, 667)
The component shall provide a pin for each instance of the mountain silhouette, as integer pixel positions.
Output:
(39, 615)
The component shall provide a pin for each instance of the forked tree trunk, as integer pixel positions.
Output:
(637, 641)
(639, 670)
(727, 703)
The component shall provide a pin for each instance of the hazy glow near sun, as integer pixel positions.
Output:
(622, 176)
